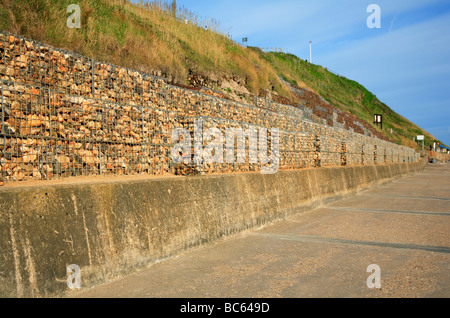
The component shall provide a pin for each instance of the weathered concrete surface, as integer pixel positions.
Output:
(403, 227)
(110, 229)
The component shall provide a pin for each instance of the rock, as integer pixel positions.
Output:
(18, 175)
(63, 162)
(22, 61)
(37, 174)
(87, 157)
(13, 39)
(29, 46)
(7, 129)
(33, 121)
(30, 131)
(29, 158)
(6, 110)
(10, 71)
(46, 172)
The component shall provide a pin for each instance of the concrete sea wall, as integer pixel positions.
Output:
(111, 228)
(66, 115)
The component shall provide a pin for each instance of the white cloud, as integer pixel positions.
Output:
(410, 53)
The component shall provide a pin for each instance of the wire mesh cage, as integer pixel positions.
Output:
(66, 115)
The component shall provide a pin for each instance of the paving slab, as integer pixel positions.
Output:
(402, 227)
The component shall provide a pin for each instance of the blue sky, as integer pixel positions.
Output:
(405, 63)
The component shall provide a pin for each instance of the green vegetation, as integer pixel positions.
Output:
(345, 94)
(147, 37)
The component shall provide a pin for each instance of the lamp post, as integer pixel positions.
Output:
(310, 52)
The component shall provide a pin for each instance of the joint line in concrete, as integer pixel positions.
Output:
(389, 211)
(318, 239)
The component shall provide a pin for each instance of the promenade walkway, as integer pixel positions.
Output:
(402, 227)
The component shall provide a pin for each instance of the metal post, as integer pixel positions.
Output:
(92, 80)
(3, 174)
(310, 52)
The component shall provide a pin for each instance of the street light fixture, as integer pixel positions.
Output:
(310, 52)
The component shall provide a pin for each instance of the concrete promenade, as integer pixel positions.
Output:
(402, 226)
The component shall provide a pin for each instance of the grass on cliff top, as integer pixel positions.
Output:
(345, 94)
(143, 36)
(146, 37)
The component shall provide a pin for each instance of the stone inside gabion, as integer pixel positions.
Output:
(66, 115)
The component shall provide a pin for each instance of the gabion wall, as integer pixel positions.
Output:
(63, 114)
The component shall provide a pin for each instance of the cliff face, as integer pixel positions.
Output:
(148, 38)
(320, 110)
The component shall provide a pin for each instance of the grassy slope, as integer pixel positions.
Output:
(144, 37)
(139, 37)
(347, 95)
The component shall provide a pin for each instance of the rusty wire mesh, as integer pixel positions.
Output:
(63, 114)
